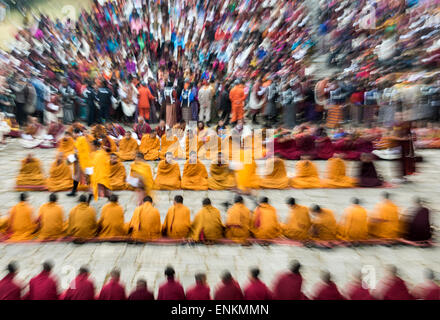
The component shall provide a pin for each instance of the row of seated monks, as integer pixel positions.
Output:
(287, 285)
(316, 223)
(195, 175)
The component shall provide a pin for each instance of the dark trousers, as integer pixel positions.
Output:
(105, 113)
(91, 117)
(20, 113)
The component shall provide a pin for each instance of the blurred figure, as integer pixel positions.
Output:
(141, 292)
(113, 290)
(200, 291)
(9, 289)
(392, 287)
(327, 289)
(288, 285)
(43, 286)
(81, 288)
(171, 289)
(428, 290)
(356, 290)
(256, 289)
(229, 289)
(418, 225)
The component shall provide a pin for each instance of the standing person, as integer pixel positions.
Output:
(41, 97)
(170, 96)
(18, 89)
(225, 104)
(104, 96)
(256, 100)
(90, 96)
(404, 138)
(237, 97)
(195, 105)
(205, 99)
(68, 101)
(144, 101)
(186, 99)
(9, 289)
(273, 93)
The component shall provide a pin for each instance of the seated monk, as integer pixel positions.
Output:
(429, 289)
(222, 177)
(31, 175)
(306, 176)
(356, 290)
(285, 145)
(177, 222)
(276, 177)
(51, 220)
(145, 222)
(384, 220)
(417, 226)
(238, 221)
(305, 143)
(117, 174)
(60, 175)
(82, 222)
(195, 176)
(191, 143)
(21, 223)
(324, 147)
(168, 174)
(128, 147)
(324, 223)
(111, 223)
(207, 224)
(336, 174)
(150, 146)
(169, 143)
(141, 177)
(298, 223)
(108, 143)
(392, 287)
(367, 176)
(265, 221)
(247, 177)
(326, 289)
(66, 144)
(353, 225)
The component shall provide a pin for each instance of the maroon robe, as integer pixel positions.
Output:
(429, 291)
(419, 228)
(42, 287)
(257, 290)
(171, 290)
(327, 291)
(113, 290)
(82, 289)
(396, 289)
(367, 176)
(287, 149)
(198, 292)
(9, 290)
(324, 148)
(160, 131)
(229, 291)
(288, 287)
(141, 294)
(306, 145)
(141, 129)
(356, 292)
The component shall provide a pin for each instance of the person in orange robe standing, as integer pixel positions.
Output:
(144, 100)
(256, 289)
(200, 291)
(114, 289)
(81, 288)
(177, 222)
(237, 97)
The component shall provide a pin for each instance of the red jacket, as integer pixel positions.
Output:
(42, 287)
(257, 290)
(288, 287)
(82, 288)
(171, 290)
(198, 292)
(113, 290)
(229, 291)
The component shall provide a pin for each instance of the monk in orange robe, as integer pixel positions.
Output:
(265, 223)
(117, 174)
(238, 221)
(191, 143)
(60, 175)
(323, 224)
(150, 146)
(128, 147)
(82, 146)
(210, 147)
(169, 143)
(66, 145)
(336, 174)
(31, 175)
(306, 176)
(21, 223)
(353, 225)
(195, 176)
(100, 179)
(276, 175)
(111, 223)
(168, 174)
(145, 222)
(82, 222)
(298, 222)
(222, 177)
(141, 177)
(384, 220)
(177, 223)
(51, 220)
(207, 224)
(247, 177)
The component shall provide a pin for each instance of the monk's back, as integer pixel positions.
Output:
(207, 224)
(177, 222)
(112, 221)
(21, 222)
(82, 222)
(51, 220)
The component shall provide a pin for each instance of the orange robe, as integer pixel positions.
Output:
(194, 177)
(83, 147)
(51, 219)
(324, 225)
(353, 225)
(210, 149)
(21, 224)
(306, 176)
(111, 221)
(238, 222)
(336, 175)
(298, 224)
(389, 228)
(168, 176)
(142, 170)
(145, 223)
(82, 222)
(177, 222)
(222, 178)
(265, 222)
(31, 176)
(207, 224)
(150, 147)
(101, 171)
(247, 177)
(60, 177)
(117, 177)
(127, 149)
(169, 145)
(66, 145)
(277, 178)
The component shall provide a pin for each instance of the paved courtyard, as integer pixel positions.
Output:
(148, 261)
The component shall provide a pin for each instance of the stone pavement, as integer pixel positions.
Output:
(148, 261)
